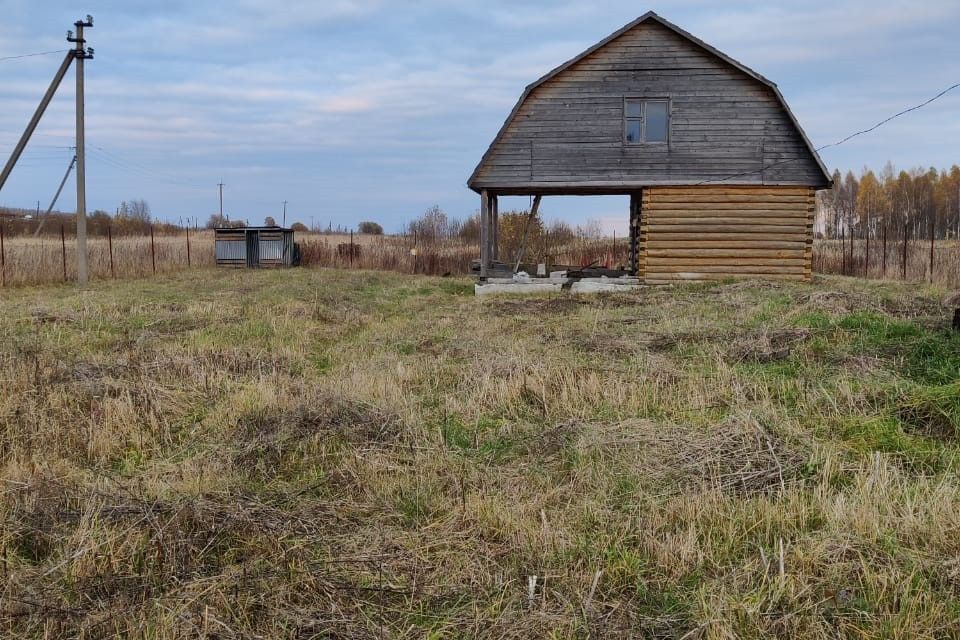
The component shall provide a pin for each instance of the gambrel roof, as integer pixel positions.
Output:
(817, 175)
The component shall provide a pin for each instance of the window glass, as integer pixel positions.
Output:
(634, 108)
(633, 130)
(656, 120)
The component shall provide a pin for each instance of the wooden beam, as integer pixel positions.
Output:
(526, 231)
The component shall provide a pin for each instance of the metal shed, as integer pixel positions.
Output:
(255, 247)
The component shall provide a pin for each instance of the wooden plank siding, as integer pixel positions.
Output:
(711, 233)
(728, 126)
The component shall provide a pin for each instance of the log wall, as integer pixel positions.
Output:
(712, 233)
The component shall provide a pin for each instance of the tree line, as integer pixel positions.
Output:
(919, 203)
(132, 218)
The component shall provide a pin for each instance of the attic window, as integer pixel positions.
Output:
(645, 120)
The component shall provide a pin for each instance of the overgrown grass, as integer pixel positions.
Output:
(352, 454)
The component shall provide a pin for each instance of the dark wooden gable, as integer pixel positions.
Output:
(729, 124)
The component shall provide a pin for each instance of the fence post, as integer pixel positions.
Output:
(153, 252)
(110, 248)
(843, 252)
(546, 248)
(63, 252)
(3, 260)
(188, 244)
(906, 236)
(933, 222)
(351, 248)
(866, 268)
(614, 248)
(884, 275)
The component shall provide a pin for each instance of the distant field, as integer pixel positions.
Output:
(344, 454)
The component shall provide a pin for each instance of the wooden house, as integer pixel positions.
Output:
(720, 175)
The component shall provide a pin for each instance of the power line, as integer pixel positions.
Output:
(31, 55)
(893, 117)
(118, 162)
(839, 142)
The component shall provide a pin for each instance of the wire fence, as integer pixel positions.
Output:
(934, 261)
(52, 258)
(25, 260)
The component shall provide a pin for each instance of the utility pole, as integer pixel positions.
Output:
(81, 53)
(220, 184)
(284, 214)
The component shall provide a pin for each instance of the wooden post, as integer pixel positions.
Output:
(3, 260)
(843, 252)
(351, 248)
(188, 243)
(110, 248)
(850, 265)
(153, 252)
(884, 275)
(484, 234)
(416, 251)
(495, 227)
(906, 236)
(546, 248)
(933, 229)
(635, 200)
(63, 252)
(614, 249)
(866, 267)
(526, 231)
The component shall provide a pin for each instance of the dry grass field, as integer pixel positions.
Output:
(32, 261)
(832, 256)
(46, 259)
(351, 454)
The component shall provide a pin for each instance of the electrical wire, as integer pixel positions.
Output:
(31, 55)
(839, 142)
(893, 117)
(115, 161)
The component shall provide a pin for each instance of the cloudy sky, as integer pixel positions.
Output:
(377, 109)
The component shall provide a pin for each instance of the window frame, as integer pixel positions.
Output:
(643, 101)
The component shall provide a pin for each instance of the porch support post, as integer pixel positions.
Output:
(495, 226)
(484, 234)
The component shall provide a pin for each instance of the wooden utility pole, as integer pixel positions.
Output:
(220, 184)
(285, 216)
(81, 53)
(35, 120)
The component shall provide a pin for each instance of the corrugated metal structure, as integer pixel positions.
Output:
(255, 247)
